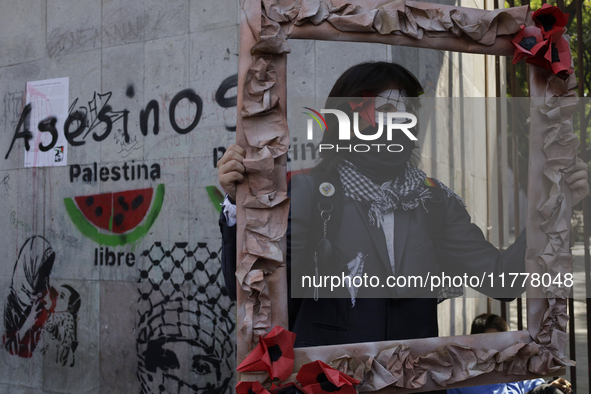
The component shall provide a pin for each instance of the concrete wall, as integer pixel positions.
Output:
(154, 316)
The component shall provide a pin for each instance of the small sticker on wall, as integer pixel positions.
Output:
(48, 100)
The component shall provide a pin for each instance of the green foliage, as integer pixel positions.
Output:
(517, 84)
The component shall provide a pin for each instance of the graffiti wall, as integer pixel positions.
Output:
(110, 280)
(110, 277)
(111, 271)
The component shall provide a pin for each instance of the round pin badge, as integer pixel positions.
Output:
(326, 189)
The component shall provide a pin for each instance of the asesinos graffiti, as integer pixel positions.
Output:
(84, 120)
(98, 120)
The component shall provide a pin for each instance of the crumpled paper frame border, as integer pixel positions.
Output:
(262, 203)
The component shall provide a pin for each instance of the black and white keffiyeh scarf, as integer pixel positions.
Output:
(407, 191)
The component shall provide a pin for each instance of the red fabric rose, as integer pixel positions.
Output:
(558, 57)
(250, 388)
(543, 44)
(529, 42)
(319, 378)
(551, 20)
(273, 354)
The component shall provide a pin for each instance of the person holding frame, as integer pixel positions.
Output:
(380, 191)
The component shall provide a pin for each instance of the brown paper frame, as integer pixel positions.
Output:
(262, 203)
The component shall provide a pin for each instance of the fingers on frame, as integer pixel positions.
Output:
(577, 175)
(580, 184)
(230, 166)
(581, 166)
(230, 156)
(238, 149)
(232, 177)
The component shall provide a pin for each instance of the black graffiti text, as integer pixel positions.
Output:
(217, 155)
(25, 134)
(60, 41)
(98, 118)
(112, 258)
(127, 172)
(227, 102)
(19, 224)
(70, 240)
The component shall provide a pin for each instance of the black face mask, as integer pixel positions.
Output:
(383, 165)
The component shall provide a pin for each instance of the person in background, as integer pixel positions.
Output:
(487, 323)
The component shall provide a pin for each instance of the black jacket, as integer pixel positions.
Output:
(400, 314)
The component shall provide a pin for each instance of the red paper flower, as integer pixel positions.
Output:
(273, 354)
(551, 20)
(557, 58)
(290, 388)
(529, 42)
(366, 108)
(319, 378)
(250, 388)
(543, 44)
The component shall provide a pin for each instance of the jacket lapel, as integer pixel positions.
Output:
(402, 221)
(376, 234)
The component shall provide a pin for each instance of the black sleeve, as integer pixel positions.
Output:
(300, 212)
(298, 226)
(228, 255)
(466, 251)
(299, 190)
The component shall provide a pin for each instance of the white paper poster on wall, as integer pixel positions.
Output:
(49, 110)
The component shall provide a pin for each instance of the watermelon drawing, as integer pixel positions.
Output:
(116, 218)
(216, 197)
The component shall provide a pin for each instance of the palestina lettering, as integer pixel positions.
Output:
(127, 172)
